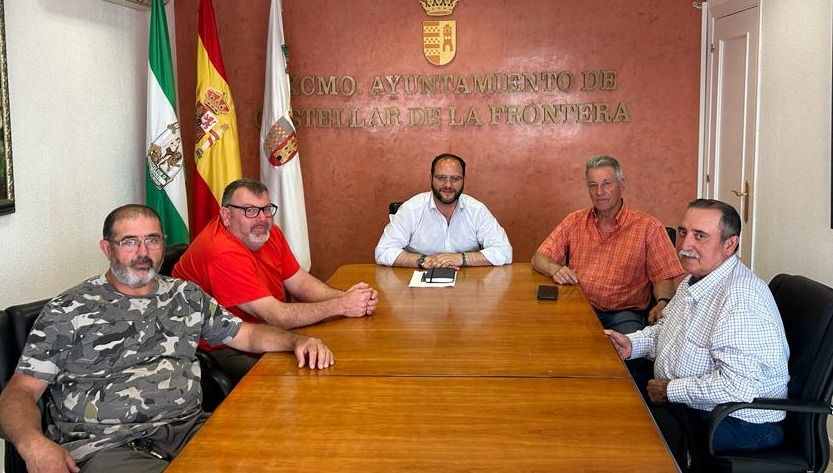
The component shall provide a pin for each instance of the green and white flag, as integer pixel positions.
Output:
(164, 176)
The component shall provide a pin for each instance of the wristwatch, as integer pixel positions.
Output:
(421, 262)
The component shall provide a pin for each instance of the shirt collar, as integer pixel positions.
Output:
(432, 202)
(709, 282)
(621, 215)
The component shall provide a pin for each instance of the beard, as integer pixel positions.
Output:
(257, 236)
(135, 278)
(438, 195)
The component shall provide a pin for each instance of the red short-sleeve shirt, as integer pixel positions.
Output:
(226, 269)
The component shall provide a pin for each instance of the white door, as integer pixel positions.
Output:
(730, 120)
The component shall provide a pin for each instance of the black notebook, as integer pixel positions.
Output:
(439, 275)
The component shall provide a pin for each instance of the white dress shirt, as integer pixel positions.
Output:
(419, 227)
(720, 340)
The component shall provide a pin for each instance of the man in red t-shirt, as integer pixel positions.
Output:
(242, 259)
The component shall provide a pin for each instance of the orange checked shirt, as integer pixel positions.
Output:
(615, 270)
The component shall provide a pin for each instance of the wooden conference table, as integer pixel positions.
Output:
(481, 377)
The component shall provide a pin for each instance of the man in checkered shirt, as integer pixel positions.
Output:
(720, 340)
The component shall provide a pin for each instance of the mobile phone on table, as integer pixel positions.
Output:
(547, 293)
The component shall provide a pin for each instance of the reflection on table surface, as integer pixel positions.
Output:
(481, 377)
(428, 424)
(489, 324)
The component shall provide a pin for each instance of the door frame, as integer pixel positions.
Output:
(711, 10)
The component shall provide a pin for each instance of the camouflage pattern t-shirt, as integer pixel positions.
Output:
(120, 366)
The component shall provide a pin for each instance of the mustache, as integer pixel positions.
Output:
(689, 254)
(142, 260)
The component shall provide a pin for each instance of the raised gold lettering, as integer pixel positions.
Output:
(602, 115)
(376, 119)
(590, 80)
(512, 114)
(393, 116)
(416, 116)
(622, 114)
(432, 116)
(530, 82)
(392, 81)
(307, 85)
(607, 80)
(324, 117)
(565, 81)
(530, 114)
(495, 113)
(377, 87)
(585, 113)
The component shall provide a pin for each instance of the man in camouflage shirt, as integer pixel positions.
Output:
(117, 354)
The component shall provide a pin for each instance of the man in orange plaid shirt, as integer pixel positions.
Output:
(617, 254)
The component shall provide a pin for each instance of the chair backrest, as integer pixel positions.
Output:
(22, 317)
(172, 255)
(393, 207)
(806, 308)
(8, 349)
(20, 320)
(672, 234)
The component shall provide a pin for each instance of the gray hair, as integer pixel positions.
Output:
(604, 162)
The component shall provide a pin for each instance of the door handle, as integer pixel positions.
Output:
(745, 196)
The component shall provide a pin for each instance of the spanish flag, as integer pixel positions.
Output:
(216, 149)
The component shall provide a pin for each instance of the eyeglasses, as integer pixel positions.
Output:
(604, 185)
(252, 212)
(443, 178)
(152, 242)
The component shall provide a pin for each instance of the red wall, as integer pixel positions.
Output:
(530, 176)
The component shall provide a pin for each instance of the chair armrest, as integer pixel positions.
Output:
(209, 368)
(721, 411)
(222, 381)
(219, 380)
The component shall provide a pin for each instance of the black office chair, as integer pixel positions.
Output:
(172, 255)
(8, 349)
(8, 360)
(672, 234)
(22, 317)
(393, 207)
(20, 320)
(215, 384)
(806, 308)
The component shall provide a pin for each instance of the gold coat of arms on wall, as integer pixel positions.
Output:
(439, 37)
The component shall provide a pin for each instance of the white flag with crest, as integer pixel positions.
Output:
(280, 164)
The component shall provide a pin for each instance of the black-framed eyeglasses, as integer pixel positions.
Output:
(152, 242)
(251, 211)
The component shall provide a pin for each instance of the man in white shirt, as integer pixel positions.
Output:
(720, 339)
(444, 227)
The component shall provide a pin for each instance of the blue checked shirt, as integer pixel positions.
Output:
(720, 340)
